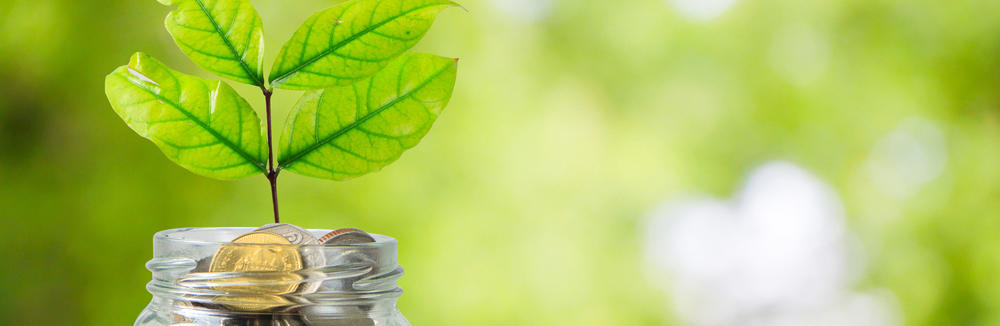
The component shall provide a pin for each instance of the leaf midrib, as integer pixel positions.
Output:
(246, 156)
(278, 80)
(356, 123)
(218, 29)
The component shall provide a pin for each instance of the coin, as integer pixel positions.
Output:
(312, 256)
(346, 236)
(257, 252)
(294, 234)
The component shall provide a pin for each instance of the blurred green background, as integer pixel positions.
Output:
(571, 121)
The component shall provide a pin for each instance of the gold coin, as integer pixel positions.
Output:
(264, 252)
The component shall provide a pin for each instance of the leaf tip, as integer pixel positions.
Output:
(456, 4)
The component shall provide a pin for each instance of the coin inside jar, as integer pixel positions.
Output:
(269, 260)
(311, 257)
(293, 233)
(346, 236)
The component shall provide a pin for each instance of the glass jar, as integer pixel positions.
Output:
(338, 285)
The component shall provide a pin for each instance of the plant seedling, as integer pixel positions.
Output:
(366, 99)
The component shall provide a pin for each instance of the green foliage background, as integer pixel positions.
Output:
(523, 205)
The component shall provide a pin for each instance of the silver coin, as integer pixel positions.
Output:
(312, 256)
(294, 234)
(359, 262)
(346, 236)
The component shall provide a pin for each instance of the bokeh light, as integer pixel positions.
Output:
(777, 254)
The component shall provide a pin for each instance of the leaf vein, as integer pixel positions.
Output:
(229, 44)
(310, 61)
(358, 122)
(202, 124)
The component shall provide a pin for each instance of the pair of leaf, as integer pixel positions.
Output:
(366, 106)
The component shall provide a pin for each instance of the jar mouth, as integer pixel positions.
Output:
(224, 236)
(289, 276)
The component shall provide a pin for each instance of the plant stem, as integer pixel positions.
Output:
(272, 175)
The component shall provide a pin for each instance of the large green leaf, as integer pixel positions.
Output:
(201, 125)
(343, 132)
(352, 41)
(225, 37)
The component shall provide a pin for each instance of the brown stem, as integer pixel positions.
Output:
(272, 175)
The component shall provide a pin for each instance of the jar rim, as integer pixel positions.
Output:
(189, 236)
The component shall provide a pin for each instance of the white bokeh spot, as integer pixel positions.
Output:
(701, 10)
(800, 54)
(777, 254)
(907, 158)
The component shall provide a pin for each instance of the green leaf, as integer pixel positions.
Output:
(352, 41)
(201, 125)
(344, 132)
(225, 37)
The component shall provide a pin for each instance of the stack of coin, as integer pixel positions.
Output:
(266, 271)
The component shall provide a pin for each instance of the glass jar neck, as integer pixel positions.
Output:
(334, 283)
